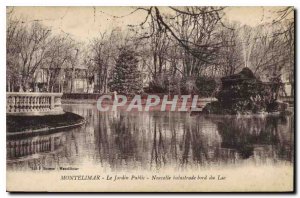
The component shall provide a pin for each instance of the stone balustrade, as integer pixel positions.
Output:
(33, 103)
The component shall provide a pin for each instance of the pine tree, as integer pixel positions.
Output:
(126, 76)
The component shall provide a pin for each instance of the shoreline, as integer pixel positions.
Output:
(29, 125)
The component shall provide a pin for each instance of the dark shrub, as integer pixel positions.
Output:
(205, 86)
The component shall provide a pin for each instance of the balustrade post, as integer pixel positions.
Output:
(13, 102)
(52, 102)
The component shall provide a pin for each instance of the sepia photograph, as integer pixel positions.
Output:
(150, 99)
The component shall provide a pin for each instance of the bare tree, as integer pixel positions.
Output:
(59, 58)
(102, 57)
(270, 51)
(15, 30)
(231, 54)
(33, 49)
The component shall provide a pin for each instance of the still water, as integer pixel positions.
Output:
(127, 141)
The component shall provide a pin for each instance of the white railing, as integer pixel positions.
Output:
(33, 103)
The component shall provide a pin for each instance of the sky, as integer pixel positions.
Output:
(84, 23)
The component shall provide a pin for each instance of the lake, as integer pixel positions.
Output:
(153, 141)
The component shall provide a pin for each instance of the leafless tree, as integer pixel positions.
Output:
(33, 47)
(59, 58)
(102, 56)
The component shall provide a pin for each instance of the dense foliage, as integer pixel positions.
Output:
(242, 93)
(127, 78)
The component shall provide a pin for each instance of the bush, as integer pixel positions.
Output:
(165, 84)
(187, 85)
(159, 84)
(242, 93)
(206, 86)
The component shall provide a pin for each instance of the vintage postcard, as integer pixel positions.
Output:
(150, 99)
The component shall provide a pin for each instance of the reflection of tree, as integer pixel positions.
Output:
(120, 140)
(116, 140)
(185, 146)
(158, 148)
(101, 136)
(173, 143)
(246, 133)
(199, 146)
(123, 137)
(200, 143)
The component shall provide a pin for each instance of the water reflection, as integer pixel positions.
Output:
(122, 141)
(269, 137)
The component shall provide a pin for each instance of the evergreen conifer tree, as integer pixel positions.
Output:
(126, 76)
